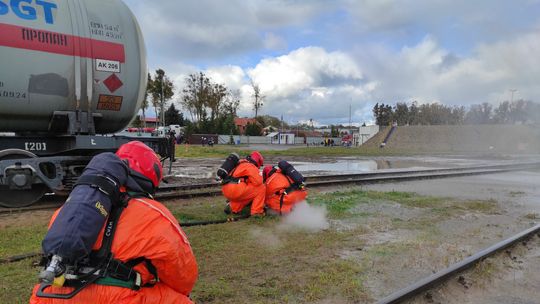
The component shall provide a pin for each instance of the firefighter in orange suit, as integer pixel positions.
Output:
(281, 191)
(147, 231)
(245, 185)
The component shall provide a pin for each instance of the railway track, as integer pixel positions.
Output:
(445, 274)
(213, 189)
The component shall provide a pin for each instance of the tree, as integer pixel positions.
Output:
(137, 123)
(502, 113)
(173, 116)
(195, 96)
(253, 129)
(458, 115)
(267, 120)
(231, 103)
(413, 113)
(334, 131)
(217, 93)
(144, 104)
(518, 111)
(257, 98)
(401, 113)
(211, 106)
(162, 90)
(479, 114)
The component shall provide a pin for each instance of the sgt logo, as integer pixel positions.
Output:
(101, 209)
(29, 9)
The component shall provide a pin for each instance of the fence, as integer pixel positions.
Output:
(241, 139)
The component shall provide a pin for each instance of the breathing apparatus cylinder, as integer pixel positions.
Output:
(291, 172)
(227, 166)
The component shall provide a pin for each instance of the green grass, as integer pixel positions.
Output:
(221, 151)
(251, 261)
(339, 204)
(16, 282)
(199, 210)
(259, 261)
(17, 240)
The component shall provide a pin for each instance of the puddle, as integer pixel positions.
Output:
(356, 166)
(206, 168)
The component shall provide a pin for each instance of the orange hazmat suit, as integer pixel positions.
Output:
(147, 229)
(250, 187)
(276, 185)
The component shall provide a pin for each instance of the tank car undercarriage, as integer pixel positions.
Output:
(32, 166)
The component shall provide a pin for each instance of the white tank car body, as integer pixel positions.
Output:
(68, 55)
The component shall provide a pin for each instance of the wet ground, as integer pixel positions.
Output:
(205, 168)
(517, 192)
(510, 277)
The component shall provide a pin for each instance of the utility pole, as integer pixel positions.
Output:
(512, 95)
(162, 105)
(350, 113)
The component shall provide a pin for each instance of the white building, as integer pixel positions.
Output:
(281, 138)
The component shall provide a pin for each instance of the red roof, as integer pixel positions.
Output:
(244, 121)
(150, 119)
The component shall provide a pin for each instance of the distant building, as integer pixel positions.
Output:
(281, 138)
(151, 122)
(312, 133)
(241, 123)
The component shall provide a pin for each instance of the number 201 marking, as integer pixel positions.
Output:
(35, 146)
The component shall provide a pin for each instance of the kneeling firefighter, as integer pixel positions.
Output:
(242, 183)
(111, 242)
(284, 187)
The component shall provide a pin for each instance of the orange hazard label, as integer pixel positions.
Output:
(109, 103)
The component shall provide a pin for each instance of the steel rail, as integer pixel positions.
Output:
(441, 276)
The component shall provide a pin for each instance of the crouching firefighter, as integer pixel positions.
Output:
(111, 242)
(242, 183)
(284, 187)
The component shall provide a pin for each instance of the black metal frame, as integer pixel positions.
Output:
(60, 159)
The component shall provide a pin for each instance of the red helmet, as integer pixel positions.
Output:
(257, 158)
(142, 159)
(266, 171)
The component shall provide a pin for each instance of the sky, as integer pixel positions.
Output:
(331, 61)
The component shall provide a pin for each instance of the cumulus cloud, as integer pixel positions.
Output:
(303, 69)
(313, 59)
(427, 72)
(194, 29)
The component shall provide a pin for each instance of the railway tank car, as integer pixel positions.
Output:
(72, 73)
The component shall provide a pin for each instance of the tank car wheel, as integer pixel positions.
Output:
(11, 198)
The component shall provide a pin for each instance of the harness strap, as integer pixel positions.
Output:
(281, 201)
(292, 187)
(235, 180)
(151, 268)
(103, 183)
(104, 251)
